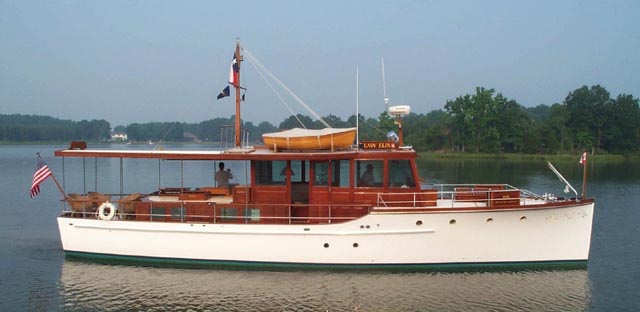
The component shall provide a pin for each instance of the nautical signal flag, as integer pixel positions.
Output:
(234, 71)
(583, 158)
(41, 174)
(224, 93)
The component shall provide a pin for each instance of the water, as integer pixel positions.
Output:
(35, 275)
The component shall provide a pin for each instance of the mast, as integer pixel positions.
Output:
(357, 108)
(236, 85)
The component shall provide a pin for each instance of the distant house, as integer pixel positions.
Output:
(119, 136)
(190, 137)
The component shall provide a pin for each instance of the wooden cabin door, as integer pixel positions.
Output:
(319, 191)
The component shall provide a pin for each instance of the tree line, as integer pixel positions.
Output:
(588, 119)
(488, 122)
(34, 128)
(483, 122)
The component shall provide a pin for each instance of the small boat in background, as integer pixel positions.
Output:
(310, 139)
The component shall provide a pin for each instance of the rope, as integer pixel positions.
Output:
(276, 92)
(279, 82)
(374, 127)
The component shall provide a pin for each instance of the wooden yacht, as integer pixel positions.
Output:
(330, 205)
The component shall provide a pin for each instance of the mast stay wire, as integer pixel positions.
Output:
(252, 61)
(372, 126)
(304, 86)
(279, 82)
(276, 92)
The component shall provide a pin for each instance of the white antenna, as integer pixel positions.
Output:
(357, 108)
(384, 86)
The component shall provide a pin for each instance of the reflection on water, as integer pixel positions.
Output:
(93, 286)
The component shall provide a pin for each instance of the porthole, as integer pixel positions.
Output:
(326, 245)
(489, 220)
(419, 222)
(523, 218)
(355, 245)
(452, 221)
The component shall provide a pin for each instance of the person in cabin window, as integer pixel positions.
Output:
(366, 179)
(283, 172)
(223, 176)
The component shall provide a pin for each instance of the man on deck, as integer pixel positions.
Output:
(223, 176)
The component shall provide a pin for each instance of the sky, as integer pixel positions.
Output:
(144, 61)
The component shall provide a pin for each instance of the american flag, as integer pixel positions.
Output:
(41, 174)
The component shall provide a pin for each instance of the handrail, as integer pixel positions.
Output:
(150, 216)
(180, 210)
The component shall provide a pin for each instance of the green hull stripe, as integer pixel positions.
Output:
(194, 263)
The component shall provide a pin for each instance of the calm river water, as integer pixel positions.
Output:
(34, 274)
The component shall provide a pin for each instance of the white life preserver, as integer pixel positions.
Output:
(109, 215)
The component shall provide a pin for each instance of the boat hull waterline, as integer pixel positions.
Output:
(489, 237)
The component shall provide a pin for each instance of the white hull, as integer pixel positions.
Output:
(498, 236)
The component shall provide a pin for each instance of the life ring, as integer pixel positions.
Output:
(109, 215)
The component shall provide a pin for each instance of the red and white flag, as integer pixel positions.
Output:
(583, 158)
(41, 174)
(234, 71)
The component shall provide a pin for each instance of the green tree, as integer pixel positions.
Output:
(553, 133)
(589, 114)
(120, 129)
(623, 131)
(337, 122)
(513, 126)
(428, 132)
(293, 122)
(476, 118)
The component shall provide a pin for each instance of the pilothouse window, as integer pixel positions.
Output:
(321, 170)
(270, 172)
(340, 169)
(299, 171)
(369, 173)
(400, 173)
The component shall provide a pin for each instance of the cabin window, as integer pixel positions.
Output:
(270, 172)
(252, 214)
(369, 173)
(299, 171)
(176, 213)
(321, 170)
(400, 174)
(158, 213)
(340, 169)
(229, 213)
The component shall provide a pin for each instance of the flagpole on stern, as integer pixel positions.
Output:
(64, 195)
(583, 161)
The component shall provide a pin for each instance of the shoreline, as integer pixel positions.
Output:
(529, 157)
